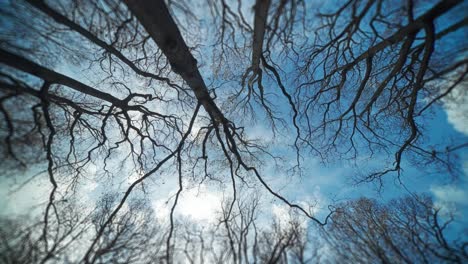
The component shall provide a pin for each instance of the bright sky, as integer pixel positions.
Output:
(321, 185)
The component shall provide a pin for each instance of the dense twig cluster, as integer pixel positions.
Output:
(141, 107)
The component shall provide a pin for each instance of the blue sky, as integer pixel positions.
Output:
(321, 184)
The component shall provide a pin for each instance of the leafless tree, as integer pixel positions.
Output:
(133, 237)
(406, 230)
(370, 73)
(142, 108)
(246, 238)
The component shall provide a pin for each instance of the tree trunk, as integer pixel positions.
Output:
(158, 22)
(261, 14)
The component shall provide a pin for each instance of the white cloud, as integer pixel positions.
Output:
(453, 197)
(161, 210)
(311, 202)
(450, 194)
(456, 107)
(281, 213)
(454, 103)
(26, 199)
(197, 204)
(200, 204)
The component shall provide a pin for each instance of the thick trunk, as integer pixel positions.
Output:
(261, 14)
(158, 22)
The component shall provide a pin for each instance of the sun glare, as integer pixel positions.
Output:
(200, 204)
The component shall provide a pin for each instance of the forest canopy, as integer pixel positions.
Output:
(233, 131)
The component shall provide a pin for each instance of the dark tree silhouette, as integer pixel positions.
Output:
(120, 91)
(133, 236)
(370, 96)
(406, 230)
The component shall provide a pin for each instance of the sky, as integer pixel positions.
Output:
(324, 184)
(320, 185)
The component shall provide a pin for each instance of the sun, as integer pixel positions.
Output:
(200, 204)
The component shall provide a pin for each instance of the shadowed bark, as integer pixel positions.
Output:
(108, 96)
(155, 18)
(260, 22)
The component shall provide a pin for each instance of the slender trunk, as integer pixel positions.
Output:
(51, 76)
(438, 10)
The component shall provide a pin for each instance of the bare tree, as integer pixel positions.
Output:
(406, 230)
(133, 237)
(370, 95)
(246, 238)
(141, 107)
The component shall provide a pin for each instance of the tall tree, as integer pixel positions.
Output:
(119, 91)
(406, 230)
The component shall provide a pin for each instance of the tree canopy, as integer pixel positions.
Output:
(104, 102)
